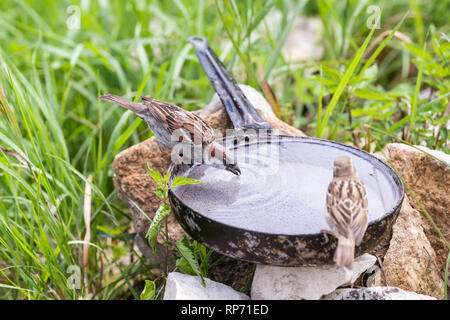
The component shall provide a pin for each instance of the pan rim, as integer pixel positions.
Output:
(399, 191)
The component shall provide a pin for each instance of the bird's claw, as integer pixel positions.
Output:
(325, 234)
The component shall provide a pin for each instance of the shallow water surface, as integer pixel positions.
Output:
(282, 188)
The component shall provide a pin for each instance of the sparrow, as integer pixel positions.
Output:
(346, 216)
(173, 126)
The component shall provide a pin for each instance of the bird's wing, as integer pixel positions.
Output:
(174, 118)
(347, 206)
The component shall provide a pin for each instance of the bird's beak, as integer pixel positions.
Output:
(234, 169)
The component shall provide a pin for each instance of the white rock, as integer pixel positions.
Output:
(185, 287)
(294, 283)
(376, 293)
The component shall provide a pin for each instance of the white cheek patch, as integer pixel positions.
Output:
(210, 155)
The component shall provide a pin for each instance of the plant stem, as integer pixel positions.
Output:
(166, 257)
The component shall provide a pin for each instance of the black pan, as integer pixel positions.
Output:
(274, 212)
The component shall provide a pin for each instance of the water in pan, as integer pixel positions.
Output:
(282, 188)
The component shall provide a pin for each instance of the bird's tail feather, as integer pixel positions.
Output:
(345, 252)
(137, 108)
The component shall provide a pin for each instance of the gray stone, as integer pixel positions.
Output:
(294, 283)
(185, 287)
(375, 293)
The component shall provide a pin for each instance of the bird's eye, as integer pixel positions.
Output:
(235, 141)
(181, 154)
(247, 139)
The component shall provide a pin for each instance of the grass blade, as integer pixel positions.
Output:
(282, 38)
(416, 91)
(343, 83)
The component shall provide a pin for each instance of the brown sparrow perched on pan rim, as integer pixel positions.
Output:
(174, 127)
(346, 210)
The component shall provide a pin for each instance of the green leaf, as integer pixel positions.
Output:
(152, 237)
(123, 237)
(331, 72)
(160, 192)
(182, 181)
(417, 50)
(187, 251)
(368, 94)
(204, 256)
(155, 175)
(184, 266)
(444, 133)
(155, 227)
(369, 73)
(149, 291)
(403, 90)
(112, 232)
(166, 177)
(202, 252)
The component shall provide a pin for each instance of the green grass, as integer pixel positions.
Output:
(55, 133)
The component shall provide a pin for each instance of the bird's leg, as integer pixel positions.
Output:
(325, 233)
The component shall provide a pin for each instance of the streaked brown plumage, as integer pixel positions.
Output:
(172, 125)
(173, 117)
(346, 210)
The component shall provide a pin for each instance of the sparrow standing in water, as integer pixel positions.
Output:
(346, 210)
(172, 125)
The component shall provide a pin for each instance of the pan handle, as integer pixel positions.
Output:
(241, 111)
